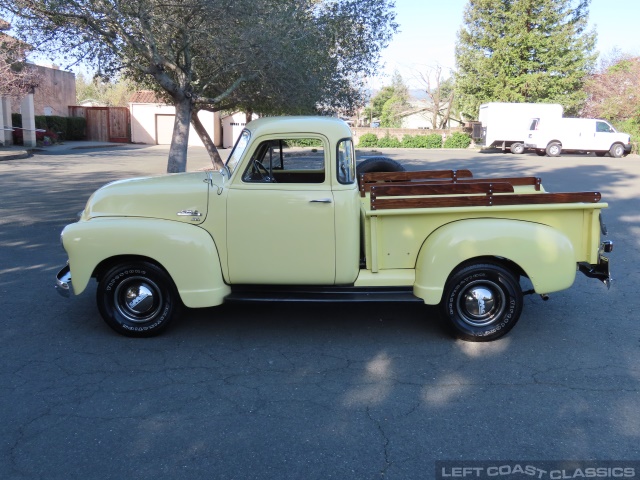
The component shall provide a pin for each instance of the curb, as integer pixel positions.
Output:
(19, 155)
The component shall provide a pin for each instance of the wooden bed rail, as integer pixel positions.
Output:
(367, 179)
(384, 197)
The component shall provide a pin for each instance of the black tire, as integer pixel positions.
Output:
(541, 152)
(465, 312)
(153, 299)
(601, 154)
(617, 150)
(554, 149)
(517, 148)
(378, 164)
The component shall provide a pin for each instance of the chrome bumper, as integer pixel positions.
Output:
(63, 282)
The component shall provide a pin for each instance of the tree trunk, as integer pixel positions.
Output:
(179, 142)
(206, 140)
(248, 115)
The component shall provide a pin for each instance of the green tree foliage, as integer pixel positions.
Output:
(111, 93)
(268, 56)
(396, 104)
(523, 51)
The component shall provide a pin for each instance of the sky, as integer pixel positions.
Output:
(428, 30)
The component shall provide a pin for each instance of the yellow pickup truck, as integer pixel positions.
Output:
(290, 217)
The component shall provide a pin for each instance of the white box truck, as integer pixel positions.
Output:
(505, 125)
(551, 137)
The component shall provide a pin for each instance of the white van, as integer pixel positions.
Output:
(552, 137)
(504, 125)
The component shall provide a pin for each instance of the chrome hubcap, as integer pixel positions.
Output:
(138, 299)
(481, 303)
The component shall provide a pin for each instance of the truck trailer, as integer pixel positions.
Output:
(505, 125)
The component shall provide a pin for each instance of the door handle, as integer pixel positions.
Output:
(321, 200)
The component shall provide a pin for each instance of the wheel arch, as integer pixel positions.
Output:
(539, 252)
(95, 246)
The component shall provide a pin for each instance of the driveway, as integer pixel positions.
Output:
(298, 391)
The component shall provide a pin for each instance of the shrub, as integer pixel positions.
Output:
(76, 127)
(457, 140)
(389, 142)
(47, 137)
(303, 142)
(433, 140)
(368, 140)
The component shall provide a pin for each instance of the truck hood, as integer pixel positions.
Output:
(181, 197)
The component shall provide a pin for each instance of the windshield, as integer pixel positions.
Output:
(238, 151)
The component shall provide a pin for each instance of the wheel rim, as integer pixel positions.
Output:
(138, 299)
(481, 303)
(618, 151)
(554, 150)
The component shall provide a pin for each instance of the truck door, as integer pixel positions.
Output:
(280, 215)
(602, 138)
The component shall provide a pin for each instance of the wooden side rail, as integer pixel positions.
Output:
(487, 200)
(367, 179)
(406, 190)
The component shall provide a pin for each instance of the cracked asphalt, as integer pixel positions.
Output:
(297, 391)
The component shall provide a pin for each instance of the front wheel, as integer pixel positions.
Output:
(137, 299)
(617, 150)
(482, 302)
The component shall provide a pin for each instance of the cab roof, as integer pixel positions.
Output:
(331, 127)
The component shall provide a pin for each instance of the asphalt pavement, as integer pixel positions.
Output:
(298, 391)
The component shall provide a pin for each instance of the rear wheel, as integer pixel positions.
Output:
(554, 149)
(137, 299)
(482, 302)
(517, 148)
(617, 150)
(601, 154)
(541, 152)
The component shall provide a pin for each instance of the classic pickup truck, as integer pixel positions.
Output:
(290, 217)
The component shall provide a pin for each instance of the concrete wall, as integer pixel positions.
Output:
(54, 95)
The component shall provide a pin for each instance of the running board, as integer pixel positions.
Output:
(243, 294)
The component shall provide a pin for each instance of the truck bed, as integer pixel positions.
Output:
(418, 203)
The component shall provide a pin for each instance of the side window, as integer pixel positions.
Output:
(534, 124)
(603, 127)
(287, 160)
(346, 162)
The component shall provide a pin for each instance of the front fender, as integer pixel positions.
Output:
(545, 254)
(186, 252)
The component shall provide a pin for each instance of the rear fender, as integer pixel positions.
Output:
(545, 254)
(186, 252)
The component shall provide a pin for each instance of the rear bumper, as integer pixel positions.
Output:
(63, 282)
(600, 270)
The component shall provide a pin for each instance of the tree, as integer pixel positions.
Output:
(441, 93)
(524, 51)
(17, 78)
(106, 92)
(273, 56)
(614, 92)
(391, 101)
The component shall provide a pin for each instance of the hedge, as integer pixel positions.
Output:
(71, 128)
(457, 140)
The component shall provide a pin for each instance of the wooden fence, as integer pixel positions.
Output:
(105, 124)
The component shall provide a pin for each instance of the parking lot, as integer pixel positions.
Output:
(299, 391)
